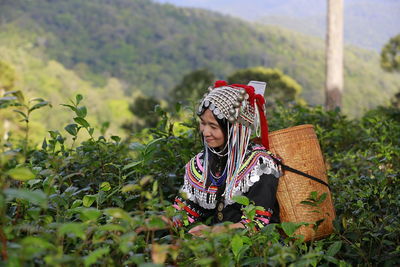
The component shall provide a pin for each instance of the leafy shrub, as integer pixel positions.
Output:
(70, 203)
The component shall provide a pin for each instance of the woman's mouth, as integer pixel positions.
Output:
(209, 140)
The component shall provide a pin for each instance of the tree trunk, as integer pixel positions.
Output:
(334, 55)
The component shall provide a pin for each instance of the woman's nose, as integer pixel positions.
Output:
(206, 132)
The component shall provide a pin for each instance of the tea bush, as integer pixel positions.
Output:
(69, 203)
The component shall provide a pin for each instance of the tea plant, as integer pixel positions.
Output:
(99, 201)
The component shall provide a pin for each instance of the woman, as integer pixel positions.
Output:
(230, 164)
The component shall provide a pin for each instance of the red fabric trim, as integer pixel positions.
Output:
(263, 120)
(186, 208)
(220, 83)
(253, 99)
(264, 213)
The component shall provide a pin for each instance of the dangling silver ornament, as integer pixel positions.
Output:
(240, 98)
(232, 111)
(236, 104)
(231, 119)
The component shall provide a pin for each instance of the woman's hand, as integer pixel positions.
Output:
(199, 230)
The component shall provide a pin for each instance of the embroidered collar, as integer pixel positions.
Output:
(257, 161)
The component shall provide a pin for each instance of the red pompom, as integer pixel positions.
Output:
(220, 83)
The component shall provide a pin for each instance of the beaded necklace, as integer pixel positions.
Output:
(218, 181)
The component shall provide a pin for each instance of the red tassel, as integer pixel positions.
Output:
(260, 101)
(263, 121)
(220, 83)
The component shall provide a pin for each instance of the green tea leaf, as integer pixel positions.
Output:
(241, 200)
(289, 228)
(82, 121)
(322, 198)
(105, 186)
(72, 129)
(88, 200)
(130, 187)
(36, 197)
(69, 106)
(236, 244)
(334, 248)
(44, 144)
(39, 105)
(116, 138)
(88, 214)
(76, 229)
(314, 195)
(76, 203)
(33, 245)
(21, 113)
(81, 112)
(95, 255)
(131, 165)
(21, 174)
(54, 134)
(117, 213)
(156, 222)
(78, 98)
(91, 130)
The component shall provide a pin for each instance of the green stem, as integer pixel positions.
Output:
(3, 239)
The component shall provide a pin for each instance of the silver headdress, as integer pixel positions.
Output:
(243, 107)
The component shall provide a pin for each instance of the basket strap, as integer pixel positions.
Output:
(287, 168)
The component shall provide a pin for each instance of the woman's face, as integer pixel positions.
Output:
(211, 130)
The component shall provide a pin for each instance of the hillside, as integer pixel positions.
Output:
(49, 79)
(150, 46)
(368, 23)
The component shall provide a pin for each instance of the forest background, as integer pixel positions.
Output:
(114, 51)
(112, 154)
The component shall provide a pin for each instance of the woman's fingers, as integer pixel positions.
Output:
(198, 230)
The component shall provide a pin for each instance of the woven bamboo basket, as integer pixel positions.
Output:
(299, 148)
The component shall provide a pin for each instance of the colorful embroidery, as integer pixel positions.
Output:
(261, 219)
(192, 213)
(257, 162)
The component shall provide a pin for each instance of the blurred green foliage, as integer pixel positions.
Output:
(151, 46)
(7, 77)
(280, 87)
(390, 55)
(193, 86)
(83, 204)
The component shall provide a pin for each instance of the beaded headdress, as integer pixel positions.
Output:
(243, 108)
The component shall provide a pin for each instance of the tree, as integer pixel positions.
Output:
(390, 61)
(142, 108)
(193, 85)
(280, 87)
(390, 55)
(334, 55)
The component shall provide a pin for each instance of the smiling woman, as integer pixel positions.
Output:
(230, 164)
(211, 130)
